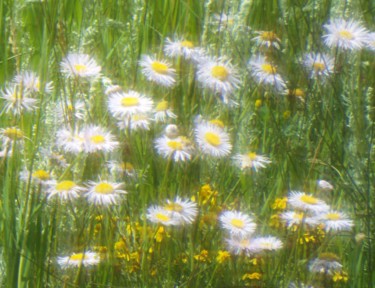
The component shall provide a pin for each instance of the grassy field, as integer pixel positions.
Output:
(187, 143)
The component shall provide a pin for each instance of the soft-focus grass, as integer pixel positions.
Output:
(329, 136)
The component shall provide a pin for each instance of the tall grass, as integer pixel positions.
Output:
(329, 134)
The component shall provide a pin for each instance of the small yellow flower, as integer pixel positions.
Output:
(280, 203)
(252, 276)
(222, 256)
(275, 221)
(202, 257)
(207, 196)
(306, 239)
(160, 234)
(120, 245)
(340, 277)
(286, 114)
(258, 103)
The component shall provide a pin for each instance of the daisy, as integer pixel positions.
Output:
(97, 139)
(224, 20)
(30, 82)
(80, 65)
(183, 211)
(238, 245)
(326, 263)
(266, 73)
(70, 141)
(178, 48)
(75, 260)
(267, 39)
(305, 202)
(348, 35)
(122, 168)
(65, 190)
(213, 140)
(113, 89)
(38, 176)
(370, 41)
(237, 223)
(179, 148)
(324, 185)
(335, 221)
(70, 110)
(218, 75)
(126, 104)
(162, 112)
(319, 65)
(160, 215)
(17, 100)
(268, 243)
(158, 71)
(251, 160)
(293, 218)
(140, 121)
(11, 135)
(104, 193)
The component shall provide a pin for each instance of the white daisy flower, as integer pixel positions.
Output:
(251, 160)
(11, 135)
(326, 263)
(104, 193)
(305, 202)
(30, 81)
(218, 75)
(122, 168)
(293, 218)
(324, 185)
(140, 121)
(241, 245)
(160, 215)
(266, 73)
(70, 141)
(335, 221)
(113, 89)
(75, 260)
(162, 112)
(268, 243)
(237, 223)
(158, 71)
(179, 148)
(68, 110)
(39, 176)
(348, 35)
(65, 190)
(17, 100)
(178, 48)
(319, 65)
(183, 211)
(97, 139)
(224, 21)
(268, 39)
(213, 140)
(80, 65)
(126, 104)
(370, 41)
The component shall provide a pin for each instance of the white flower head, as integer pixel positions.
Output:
(213, 140)
(238, 245)
(104, 193)
(178, 148)
(292, 218)
(182, 211)
(39, 176)
(335, 221)
(80, 65)
(326, 263)
(126, 104)
(268, 243)
(30, 82)
(237, 223)
(158, 71)
(97, 139)
(160, 215)
(75, 260)
(267, 39)
(370, 41)
(265, 73)
(17, 100)
(68, 110)
(324, 185)
(319, 65)
(251, 160)
(348, 35)
(11, 135)
(179, 47)
(70, 141)
(65, 190)
(163, 112)
(305, 202)
(140, 121)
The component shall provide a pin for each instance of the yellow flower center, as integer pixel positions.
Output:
(268, 68)
(217, 122)
(238, 223)
(244, 242)
(345, 34)
(65, 185)
(41, 174)
(220, 72)
(80, 68)
(252, 156)
(319, 67)
(268, 36)
(77, 257)
(129, 101)
(139, 117)
(13, 133)
(162, 217)
(98, 139)
(159, 67)
(298, 92)
(298, 216)
(16, 96)
(173, 207)
(104, 188)
(333, 216)
(187, 44)
(162, 106)
(212, 139)
(309, 200)
(175, 145)
(126, 166)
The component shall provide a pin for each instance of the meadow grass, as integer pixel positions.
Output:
(307, 122)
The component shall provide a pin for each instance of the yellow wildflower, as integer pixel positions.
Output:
(340, 277)
(258, 103)
(222, 256)
(275, 221)
(279, 203)
(202, 257)
(252, 276)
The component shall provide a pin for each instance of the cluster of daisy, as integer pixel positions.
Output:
(241, 228)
